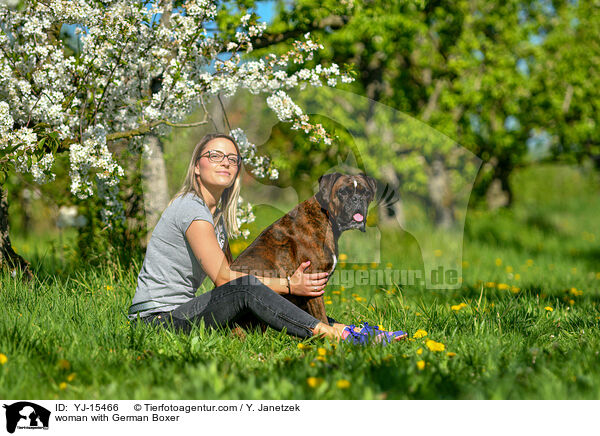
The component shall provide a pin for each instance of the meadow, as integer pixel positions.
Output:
(523, 325)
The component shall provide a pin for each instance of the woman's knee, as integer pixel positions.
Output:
(247, 280)
(249, 283)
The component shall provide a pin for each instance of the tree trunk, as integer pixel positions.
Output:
(499, 193)
(154, 182)
(154, 174)
(8, 257)
(440, 195)
(391, 210)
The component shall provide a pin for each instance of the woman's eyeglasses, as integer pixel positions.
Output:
(216, 156)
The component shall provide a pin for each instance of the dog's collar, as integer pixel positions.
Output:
(336, 229)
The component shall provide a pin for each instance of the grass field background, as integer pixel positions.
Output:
(524, 324)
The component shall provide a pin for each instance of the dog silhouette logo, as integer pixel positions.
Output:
(26, 415)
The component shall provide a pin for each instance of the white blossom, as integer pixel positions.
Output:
(105, 89)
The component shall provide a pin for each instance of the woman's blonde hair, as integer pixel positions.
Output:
(229, 197)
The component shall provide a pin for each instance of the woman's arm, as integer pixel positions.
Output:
(203, 241)
(276, 284)
(305, 285)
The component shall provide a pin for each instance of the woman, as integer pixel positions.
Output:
(190, 242)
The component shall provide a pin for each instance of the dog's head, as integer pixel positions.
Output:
(346, 198)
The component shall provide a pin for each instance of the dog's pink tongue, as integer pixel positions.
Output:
(357, 217)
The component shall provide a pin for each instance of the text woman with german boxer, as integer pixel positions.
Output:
(190, 242)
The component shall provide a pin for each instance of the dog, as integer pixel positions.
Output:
(311, 231)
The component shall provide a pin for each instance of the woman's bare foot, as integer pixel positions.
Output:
(332, 332)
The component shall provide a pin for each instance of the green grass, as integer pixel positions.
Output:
(66, 336)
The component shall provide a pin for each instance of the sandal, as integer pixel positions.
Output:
(383, 336)
(353, 337)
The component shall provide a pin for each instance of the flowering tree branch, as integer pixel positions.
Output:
(53, 102)
(333, 22)
(146, 128)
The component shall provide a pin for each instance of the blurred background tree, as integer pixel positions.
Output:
(503, 80)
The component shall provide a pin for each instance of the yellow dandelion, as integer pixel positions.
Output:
(598, 275)
(509, 269)
(329, 302)
(389, 265)
(302, 346)
(374, 264)
(420, 351)
(3, 359)
(71, 377)
(336, 292)
(420, 334)
(344, 300)
(418, 313)
(62, 386)
(490, 285)
(64, 364)
(421, 365)
(434, 346)
(573, 270)
(450, 354)
(380, 326)
(437, 253)
(457, 307)
(314, 382)
(342, 289)
(529, 262)
(517, 276)
(503, 286)
(343, 384)
(571, 302)
(364, 267)
(321, 351)
(343, 256)
(108, 287)
(342, 265)
(548, 308)
(576, 292)
(355, 266)
(321, 358)
(498, 261)
(313, 364)
(515, 290)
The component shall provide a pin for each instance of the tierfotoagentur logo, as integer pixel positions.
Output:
(424, 182)
(26, 415)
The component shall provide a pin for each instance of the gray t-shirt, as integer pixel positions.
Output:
(171, 274)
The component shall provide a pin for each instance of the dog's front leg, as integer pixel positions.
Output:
(316, 307)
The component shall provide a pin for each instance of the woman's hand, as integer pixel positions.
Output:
(310, 284)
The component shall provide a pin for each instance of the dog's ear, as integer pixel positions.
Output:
(326, 182)
(372, 183)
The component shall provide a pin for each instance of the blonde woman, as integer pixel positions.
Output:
(190, 242)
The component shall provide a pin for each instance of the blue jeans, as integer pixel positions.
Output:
(243, 299)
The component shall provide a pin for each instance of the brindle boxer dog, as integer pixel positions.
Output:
(311, 231)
